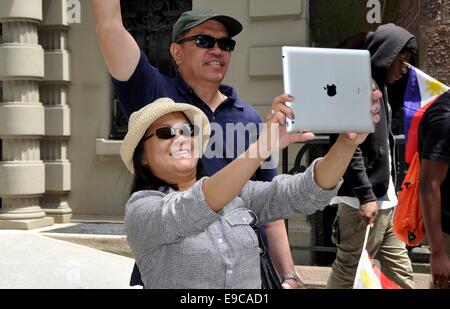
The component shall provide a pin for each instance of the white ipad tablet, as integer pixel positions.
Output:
(332, 89)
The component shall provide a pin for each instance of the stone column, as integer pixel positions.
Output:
(430, 22)
(53, 34)
(22, 173)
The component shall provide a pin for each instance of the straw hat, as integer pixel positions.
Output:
(141, 120)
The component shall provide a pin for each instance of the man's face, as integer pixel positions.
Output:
(398, 68)
(200, 65)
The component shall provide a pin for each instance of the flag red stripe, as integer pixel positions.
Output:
(385, 282)
(412, 146)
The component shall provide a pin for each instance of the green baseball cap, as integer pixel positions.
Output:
(191, 19)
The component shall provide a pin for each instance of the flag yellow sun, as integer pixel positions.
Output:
(365, 280)
(434, 87)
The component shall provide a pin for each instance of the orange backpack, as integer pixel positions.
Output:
(408, 221)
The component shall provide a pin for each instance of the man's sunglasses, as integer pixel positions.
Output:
(187, 130)
(207, 41)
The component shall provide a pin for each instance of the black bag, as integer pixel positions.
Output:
(136, 278)
(269, 277)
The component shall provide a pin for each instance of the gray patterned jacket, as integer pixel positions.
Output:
(179, 242)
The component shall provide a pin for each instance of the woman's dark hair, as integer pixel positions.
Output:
(145, 180)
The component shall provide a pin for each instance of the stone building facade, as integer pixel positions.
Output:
(430, 21)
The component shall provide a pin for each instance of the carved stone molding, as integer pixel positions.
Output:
(435, 56)
(436, 12)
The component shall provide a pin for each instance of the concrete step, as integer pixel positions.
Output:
(105, 236)
(315, 277)
(109, 243)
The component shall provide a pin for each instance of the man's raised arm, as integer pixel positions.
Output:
(120, 50)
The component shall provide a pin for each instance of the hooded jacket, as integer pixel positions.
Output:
(367, 177)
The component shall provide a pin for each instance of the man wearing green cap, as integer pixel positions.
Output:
(201, 50)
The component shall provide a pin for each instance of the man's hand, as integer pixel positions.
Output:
(368, 212)
(440, 270)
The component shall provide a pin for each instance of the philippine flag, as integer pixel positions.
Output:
(422, 90)
(368, 275)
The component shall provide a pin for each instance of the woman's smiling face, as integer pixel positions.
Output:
(171, 160)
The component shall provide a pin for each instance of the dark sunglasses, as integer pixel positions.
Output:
(207, 41)
(187, 130)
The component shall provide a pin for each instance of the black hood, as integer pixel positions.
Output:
(384, 45)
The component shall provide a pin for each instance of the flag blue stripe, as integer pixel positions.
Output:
(412, 100)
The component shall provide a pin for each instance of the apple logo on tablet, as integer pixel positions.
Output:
(331, 90)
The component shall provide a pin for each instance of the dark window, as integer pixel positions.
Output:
(150, 23)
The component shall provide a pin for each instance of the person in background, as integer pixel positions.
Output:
(368, 194)
(434, 153)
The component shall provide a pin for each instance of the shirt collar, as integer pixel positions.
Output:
(229, 91)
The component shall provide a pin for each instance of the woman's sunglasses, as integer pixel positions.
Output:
(187, 130)
(207, 41)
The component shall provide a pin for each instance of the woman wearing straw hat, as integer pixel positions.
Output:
(189, 231)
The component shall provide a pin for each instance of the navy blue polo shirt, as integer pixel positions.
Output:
(237, 119)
